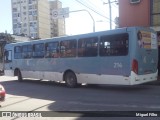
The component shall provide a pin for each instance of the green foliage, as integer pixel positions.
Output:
(6, 37)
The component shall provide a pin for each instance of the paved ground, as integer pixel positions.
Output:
(32, 96)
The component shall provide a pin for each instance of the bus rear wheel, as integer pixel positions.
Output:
(70, 79)
(19, 75)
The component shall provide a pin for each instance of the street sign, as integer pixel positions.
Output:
(55, 14)
(60, 13)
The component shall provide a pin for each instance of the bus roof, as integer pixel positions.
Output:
(114, 31)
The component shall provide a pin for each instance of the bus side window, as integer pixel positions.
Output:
(8, 56)
(114, 45)
(52, 50)
(27, 51)
(38, 50)
(88, 47)
(68, 48)
(104, 47)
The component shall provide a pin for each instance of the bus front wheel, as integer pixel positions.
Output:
(19, 76)
(70, 79)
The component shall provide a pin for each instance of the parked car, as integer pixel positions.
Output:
(2, 93)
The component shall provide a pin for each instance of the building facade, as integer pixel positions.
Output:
(144, 13)
(134, 14)
(155, 15)
(32, 18)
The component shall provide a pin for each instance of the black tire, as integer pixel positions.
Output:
(19, 75)
(70, 80)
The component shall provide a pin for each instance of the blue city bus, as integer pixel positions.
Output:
(125, 56)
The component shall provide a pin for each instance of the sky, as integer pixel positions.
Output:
(6, 16)
(77, 22)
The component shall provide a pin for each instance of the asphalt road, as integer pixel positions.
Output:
(37, 96)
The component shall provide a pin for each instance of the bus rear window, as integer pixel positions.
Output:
(114, 45)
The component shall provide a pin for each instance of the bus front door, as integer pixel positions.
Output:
(8, 63)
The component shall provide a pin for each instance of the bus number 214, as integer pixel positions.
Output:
(118, 65)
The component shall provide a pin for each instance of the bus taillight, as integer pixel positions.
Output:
(135, 66)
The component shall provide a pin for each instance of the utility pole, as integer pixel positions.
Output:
(110, 11)
(110, 14)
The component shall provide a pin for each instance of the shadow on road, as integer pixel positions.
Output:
(28, 84)
(82, 98)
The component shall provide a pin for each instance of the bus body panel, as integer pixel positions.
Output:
(91, 70)
(147, 56)
(139, 79)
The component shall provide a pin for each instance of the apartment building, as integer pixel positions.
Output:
(33, 18)
(57, 25)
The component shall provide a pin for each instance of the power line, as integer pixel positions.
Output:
(93, 10)
(114, 5)
(95, 6)
(102, 1)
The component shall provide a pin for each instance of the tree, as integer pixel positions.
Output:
(6, 37)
